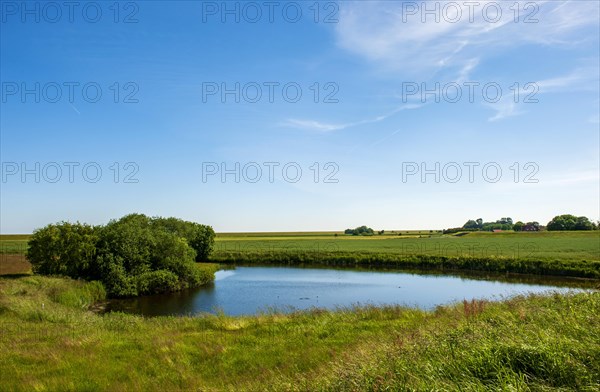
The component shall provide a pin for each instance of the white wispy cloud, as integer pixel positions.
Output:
(388, 35)
(465, 71)
(513, 103)
(312, 125)
(318, 126)
(581, 178)
(453, 48)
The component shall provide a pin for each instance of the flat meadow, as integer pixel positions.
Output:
(576, 245)
(54, 338)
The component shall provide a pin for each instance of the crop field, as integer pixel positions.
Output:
(536, 245)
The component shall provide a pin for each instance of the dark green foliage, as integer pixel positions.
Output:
(64, 249)
(471, 224)
(131, 256)
(161, 281)
(518, 226)
(200, 237)
(362, 230)
(583, 268)
(202, 241)
(131, 241)
(569, 222)
(115, 278)
(456, 230)
(479, 224)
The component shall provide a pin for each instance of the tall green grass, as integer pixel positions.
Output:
(50, 341)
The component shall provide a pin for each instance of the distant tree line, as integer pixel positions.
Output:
(362, 230)
(132, 256)
(528, 226)
(500, 224)
(560, 222)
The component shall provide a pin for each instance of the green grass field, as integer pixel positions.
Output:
(51, 341)
(535, 245)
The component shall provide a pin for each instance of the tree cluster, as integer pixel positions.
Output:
(570, 222)
(135, 255)
(362, 230)
(528, 226)
(560, 222)
(479, 224)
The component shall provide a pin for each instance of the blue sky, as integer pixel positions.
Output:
(362, 133)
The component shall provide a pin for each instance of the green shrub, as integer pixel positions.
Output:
(161, 281)
(202, 240)
(200, 237)
(116, 280)
(131, 256)
(64, 249)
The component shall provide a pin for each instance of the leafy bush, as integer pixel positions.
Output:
(202, 240)
(131, 256)
(115, 278)
(161, 281)
(200, 237)
(63, 249)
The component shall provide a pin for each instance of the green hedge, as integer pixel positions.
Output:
(583, 268)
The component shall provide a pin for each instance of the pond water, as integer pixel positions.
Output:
(248, 290)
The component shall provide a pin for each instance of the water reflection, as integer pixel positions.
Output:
(248, 290)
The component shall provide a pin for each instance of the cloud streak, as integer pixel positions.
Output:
(581, 79)
(318, 126)
(389, 35)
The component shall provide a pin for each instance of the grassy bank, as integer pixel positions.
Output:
(51, 341)
(583, 268)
